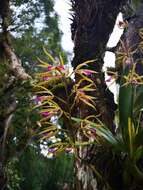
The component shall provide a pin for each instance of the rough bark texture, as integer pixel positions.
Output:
(5, 43)
(93, 22)
(13, 72)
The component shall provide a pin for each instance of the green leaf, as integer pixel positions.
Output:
(138, 154)
(139, 138)
(85, 63)
(50, 56)
(101, 131)
(125, 105)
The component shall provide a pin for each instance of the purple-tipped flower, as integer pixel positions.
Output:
(109, 79)
(134, 81)
(45, 78)
(81, 91)
(49, 68)
(87, 72)
(45, 114)
(37, 100)
(68, 150)
(52, 150)
(61, 67)
(93, 130)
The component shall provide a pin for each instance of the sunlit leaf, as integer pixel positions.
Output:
(48, 129)
(50, 56)
(84, 64)
(61, 60)
(43, 88)
(88, 103)
(43, 62)
(49, 135)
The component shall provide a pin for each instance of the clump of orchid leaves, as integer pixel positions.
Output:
(57, 99)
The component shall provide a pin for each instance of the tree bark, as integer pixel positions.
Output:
(93, 22)
(13, 72)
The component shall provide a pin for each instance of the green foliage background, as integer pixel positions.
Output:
(33, 171)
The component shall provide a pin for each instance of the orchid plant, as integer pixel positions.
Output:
(59, 97)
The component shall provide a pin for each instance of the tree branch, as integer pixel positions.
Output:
(15, 63)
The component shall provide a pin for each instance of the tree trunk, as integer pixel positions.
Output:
(12, 71)
(93, 22)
